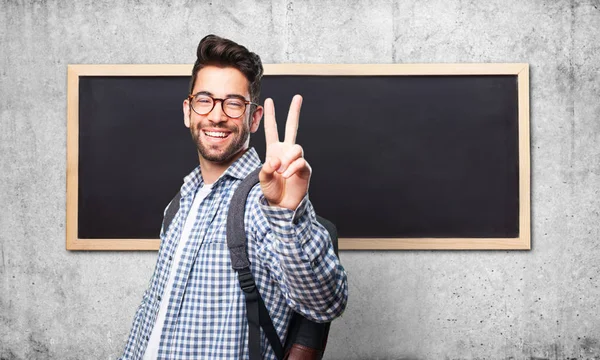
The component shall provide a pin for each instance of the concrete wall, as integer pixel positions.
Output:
(534, 304)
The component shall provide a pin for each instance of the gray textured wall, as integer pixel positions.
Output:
(537, 304)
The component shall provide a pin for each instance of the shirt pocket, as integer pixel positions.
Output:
(216, 233)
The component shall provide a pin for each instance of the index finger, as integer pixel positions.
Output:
(271, 134)
(291, 126)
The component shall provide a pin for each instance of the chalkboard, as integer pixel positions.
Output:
(421, 157)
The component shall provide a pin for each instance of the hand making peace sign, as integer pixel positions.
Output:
(285, 175)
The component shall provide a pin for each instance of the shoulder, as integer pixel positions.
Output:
(254, 217)
(253, 201)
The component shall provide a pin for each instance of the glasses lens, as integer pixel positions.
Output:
(202, 104)
(234, 107)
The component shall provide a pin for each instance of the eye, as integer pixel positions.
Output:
(204, 100)
(234, 103)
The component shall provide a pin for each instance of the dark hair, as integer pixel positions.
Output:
(217, 51)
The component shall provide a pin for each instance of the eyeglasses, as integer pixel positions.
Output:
(203, 104)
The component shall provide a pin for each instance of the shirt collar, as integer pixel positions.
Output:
(241, 168)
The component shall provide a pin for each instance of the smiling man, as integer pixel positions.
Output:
(194, 307)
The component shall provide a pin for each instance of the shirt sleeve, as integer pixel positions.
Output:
(299, 253)
(132, 342)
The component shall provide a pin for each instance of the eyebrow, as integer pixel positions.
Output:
(236, 96)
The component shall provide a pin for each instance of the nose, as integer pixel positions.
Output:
(216, 114)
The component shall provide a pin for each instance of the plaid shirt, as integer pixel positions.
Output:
(291, 256)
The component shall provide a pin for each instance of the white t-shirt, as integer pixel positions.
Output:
(154, 342)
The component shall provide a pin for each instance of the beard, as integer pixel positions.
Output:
(218, 154)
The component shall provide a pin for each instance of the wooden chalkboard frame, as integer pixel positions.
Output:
(523, 242)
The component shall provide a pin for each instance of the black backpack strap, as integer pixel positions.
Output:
(256, 311)
(236, 231)
(172, 210)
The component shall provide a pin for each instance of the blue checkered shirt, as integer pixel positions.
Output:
(291, 257)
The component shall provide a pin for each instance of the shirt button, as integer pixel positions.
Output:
(159, 298)
(170, 258)
(147, 338)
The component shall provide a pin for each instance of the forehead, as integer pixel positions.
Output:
(221, 81)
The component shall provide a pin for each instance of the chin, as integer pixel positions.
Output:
(220, 157)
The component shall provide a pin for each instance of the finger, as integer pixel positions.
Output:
(290, 156)
(291, 126)
(271, 134)
(299, 167)
(269, 167)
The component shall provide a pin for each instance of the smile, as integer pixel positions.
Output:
(216, 134)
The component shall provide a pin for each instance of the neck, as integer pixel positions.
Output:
(212, 170)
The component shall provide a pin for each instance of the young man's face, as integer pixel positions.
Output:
(218, 137)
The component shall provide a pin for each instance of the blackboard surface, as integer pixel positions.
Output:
(134, 151)
(392, 156)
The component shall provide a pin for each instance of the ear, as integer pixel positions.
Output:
(186, 112)
(256, 116)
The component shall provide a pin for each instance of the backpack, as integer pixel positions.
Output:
(306, 339)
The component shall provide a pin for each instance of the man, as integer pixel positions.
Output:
(194, 307)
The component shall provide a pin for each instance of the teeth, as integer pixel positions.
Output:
(216, 134)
